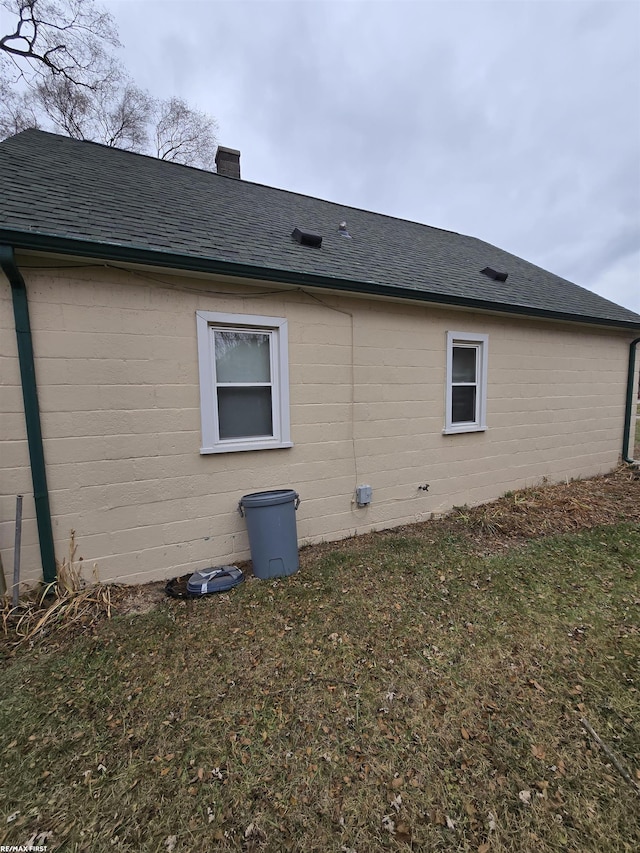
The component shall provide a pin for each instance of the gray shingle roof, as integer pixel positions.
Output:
(61, 193)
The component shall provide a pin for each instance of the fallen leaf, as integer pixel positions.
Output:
(254, 830)
(450, 823)
(464, 733)
(170, 843)
(389, 825)
(538, 752)
(403, 832)
(484, 848)
(525, 797)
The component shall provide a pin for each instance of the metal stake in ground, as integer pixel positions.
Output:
(16, 552)
(3, 583)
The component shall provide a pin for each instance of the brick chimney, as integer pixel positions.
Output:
(228, 162)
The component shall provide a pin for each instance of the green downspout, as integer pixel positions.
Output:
(31, 411)
(631, 392)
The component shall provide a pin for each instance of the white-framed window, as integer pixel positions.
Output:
(466, 388)
(244, 382)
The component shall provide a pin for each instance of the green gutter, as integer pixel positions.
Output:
(631, 395)
(31, 411)
(194, 263)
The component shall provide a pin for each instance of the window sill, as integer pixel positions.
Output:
(245, 445)
(463, 428)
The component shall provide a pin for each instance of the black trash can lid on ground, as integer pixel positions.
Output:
(278, 496)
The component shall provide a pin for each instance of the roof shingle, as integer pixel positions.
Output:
(65, 190)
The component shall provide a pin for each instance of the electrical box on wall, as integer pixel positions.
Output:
(363, 495)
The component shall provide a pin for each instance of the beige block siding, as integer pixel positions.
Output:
(15, 476)
(117, 369)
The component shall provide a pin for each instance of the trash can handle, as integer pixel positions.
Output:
(241, 508)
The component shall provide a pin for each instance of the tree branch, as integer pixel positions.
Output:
(612, 757)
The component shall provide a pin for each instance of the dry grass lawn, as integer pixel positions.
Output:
(420, 689)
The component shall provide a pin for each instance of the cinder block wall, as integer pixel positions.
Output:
(117, 371)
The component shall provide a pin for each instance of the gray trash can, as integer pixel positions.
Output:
(273, 537)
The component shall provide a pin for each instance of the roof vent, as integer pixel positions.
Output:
(493, 274)
(305, 238)
(342, 230)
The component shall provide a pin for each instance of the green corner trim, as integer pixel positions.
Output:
(627, 450)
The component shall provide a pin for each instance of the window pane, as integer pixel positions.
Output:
(242, 357)
(463, 404)
(244, 412)
(464, 364)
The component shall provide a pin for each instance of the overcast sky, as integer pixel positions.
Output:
(517, 122)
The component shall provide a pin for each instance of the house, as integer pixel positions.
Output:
(173, 339)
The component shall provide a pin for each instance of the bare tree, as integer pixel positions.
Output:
(184, 135)
(56, 71)
(66, 105)
(123, 116)
(17, 112)
(116, 114)
(68, 39)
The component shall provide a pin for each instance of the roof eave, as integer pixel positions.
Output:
(194, 263)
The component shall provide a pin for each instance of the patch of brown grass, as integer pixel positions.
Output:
(551, 509)
(400, 692)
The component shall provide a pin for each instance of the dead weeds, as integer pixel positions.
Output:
(547, 510)
(65, 608)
